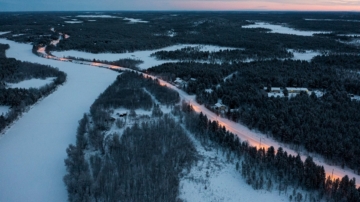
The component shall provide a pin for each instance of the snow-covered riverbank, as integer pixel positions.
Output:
(32, 152)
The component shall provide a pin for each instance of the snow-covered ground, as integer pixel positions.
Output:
(96, 16)
(55, 42)
(356, 98)
(133, 20)
(73, 22)
(31, 83)
(16, 35)
(4, 110)
(2, 33)
(281, 29)
(307, 55)
(33, 150)
(253, 137)
(139, 55)
(56, 123)
(214, 178)
(229, 76)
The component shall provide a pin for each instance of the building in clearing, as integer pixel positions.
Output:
(297, 90)
(179, 82)
(220, 107)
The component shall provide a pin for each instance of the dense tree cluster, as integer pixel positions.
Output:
(13, 71)
(141, 164)
(229, 55)
(341, 61)
(306, 121)
(118, 35)
(265, 169)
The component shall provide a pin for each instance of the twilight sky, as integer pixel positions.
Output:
(78, 5)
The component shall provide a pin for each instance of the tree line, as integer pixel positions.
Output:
(305, 121)
(18, 99)
(270, 169)
(143, 163)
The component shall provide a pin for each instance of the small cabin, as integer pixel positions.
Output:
(219, 107)
(297, 90)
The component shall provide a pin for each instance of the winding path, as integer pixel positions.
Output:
(32, 152)
(253, 138)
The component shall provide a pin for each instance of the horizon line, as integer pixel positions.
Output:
(170, 10)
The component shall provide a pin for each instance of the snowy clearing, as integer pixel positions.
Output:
(55, 42)
(221, 179)
(97, 16)
(133, 20)
(31, 83)
(306, 55)
(4, 110)
(2, 33)
(33, 150)
(281, 29)
(16, 35)
(356, 98)
(138, 55)
(73, 22)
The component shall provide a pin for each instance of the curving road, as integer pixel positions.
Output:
(253, 138)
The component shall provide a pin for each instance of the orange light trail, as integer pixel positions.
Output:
(254, 139)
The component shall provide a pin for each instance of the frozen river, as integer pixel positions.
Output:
(32, 152)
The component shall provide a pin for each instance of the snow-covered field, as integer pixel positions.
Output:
(281, 29)
(307, 55)
(133, 20)
(96, 16)
(16, 35)
(73, 22)
(4, 110)
(214, 178)
(31, 83)
(2, 33)
(33, 150)
(139, 55)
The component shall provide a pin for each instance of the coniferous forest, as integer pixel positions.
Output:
(139, 140)
(144, 162)
(305, 121)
